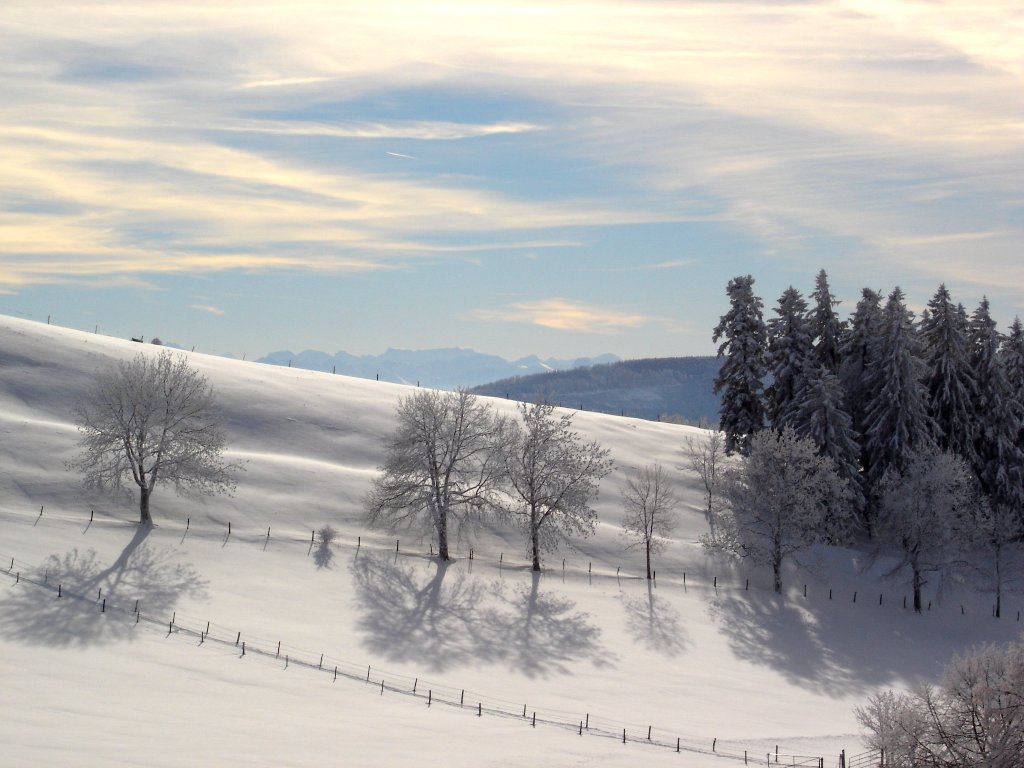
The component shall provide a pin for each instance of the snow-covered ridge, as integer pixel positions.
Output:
(731, 664)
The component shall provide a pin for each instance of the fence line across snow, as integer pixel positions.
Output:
(429, 692)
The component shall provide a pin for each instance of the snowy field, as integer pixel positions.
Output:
(700, 658)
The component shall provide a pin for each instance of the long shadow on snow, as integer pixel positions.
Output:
(420, 614)
(837, 648)
(654, 623)
(144, 572)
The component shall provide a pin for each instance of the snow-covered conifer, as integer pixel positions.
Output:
(950, 380)
(857, 352)
(821, 415)
(1012, 356)
(826, 327)
(790, 346)
(740, 379)
(999, 463)
(896, 418)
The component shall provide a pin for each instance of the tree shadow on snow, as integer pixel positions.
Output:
(142, 572)
(422, 614)
(654, 623)
(827, 647)
(323, 556)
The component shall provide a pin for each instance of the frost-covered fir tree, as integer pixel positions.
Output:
(999, 463)
(740, 378)
(790, 346)
(857, 353)
(1012, 355)
(826, 327)
(896, 419)
(821, 416)
(950, 379)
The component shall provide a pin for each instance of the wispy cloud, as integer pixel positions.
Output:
(208, 309)
(661, 265)
(563, 315)
(413, 129)
(214, 142)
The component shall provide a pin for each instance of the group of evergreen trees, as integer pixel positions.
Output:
(886, 396)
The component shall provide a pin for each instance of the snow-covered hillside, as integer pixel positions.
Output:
(89, 682)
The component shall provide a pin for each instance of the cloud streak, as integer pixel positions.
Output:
(180, 137)
(563, 315)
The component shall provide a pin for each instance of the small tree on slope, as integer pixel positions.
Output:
(553, 476)
(923, 510)
(706, 458)
(650, 503)
(443, 465)
(782, 499)
(148, 421)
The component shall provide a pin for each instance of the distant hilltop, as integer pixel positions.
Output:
(653, 388)
(448, 368)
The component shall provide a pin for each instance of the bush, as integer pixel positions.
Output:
(975, 717)
(327, 536)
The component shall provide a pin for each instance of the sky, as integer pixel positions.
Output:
(559, 178)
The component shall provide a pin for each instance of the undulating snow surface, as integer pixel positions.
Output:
(88, 682)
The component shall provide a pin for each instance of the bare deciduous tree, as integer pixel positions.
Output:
(921, 510)
(152, 420)
(650, 504)
(443, 465)
(553, 476)
(706, 457)
(782, 498)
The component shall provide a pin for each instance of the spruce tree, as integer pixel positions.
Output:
(1012, 356)
(821, 416)
(999, 464)
(740, 378)
(826, 327)
(950, 379)
(857, 353)
(790, 346)
(896, 419)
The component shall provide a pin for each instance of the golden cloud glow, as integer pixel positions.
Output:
(563, 315)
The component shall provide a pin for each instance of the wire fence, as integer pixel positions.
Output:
(223, 530)
(429, 692)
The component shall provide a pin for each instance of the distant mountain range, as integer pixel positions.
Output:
(439, 368)
(651, 388)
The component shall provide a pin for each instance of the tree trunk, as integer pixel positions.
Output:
(442, 537)
(917, 591)
(648, 559)
(999, 585)
(535, 539)
(777, 566)
(144, 517)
